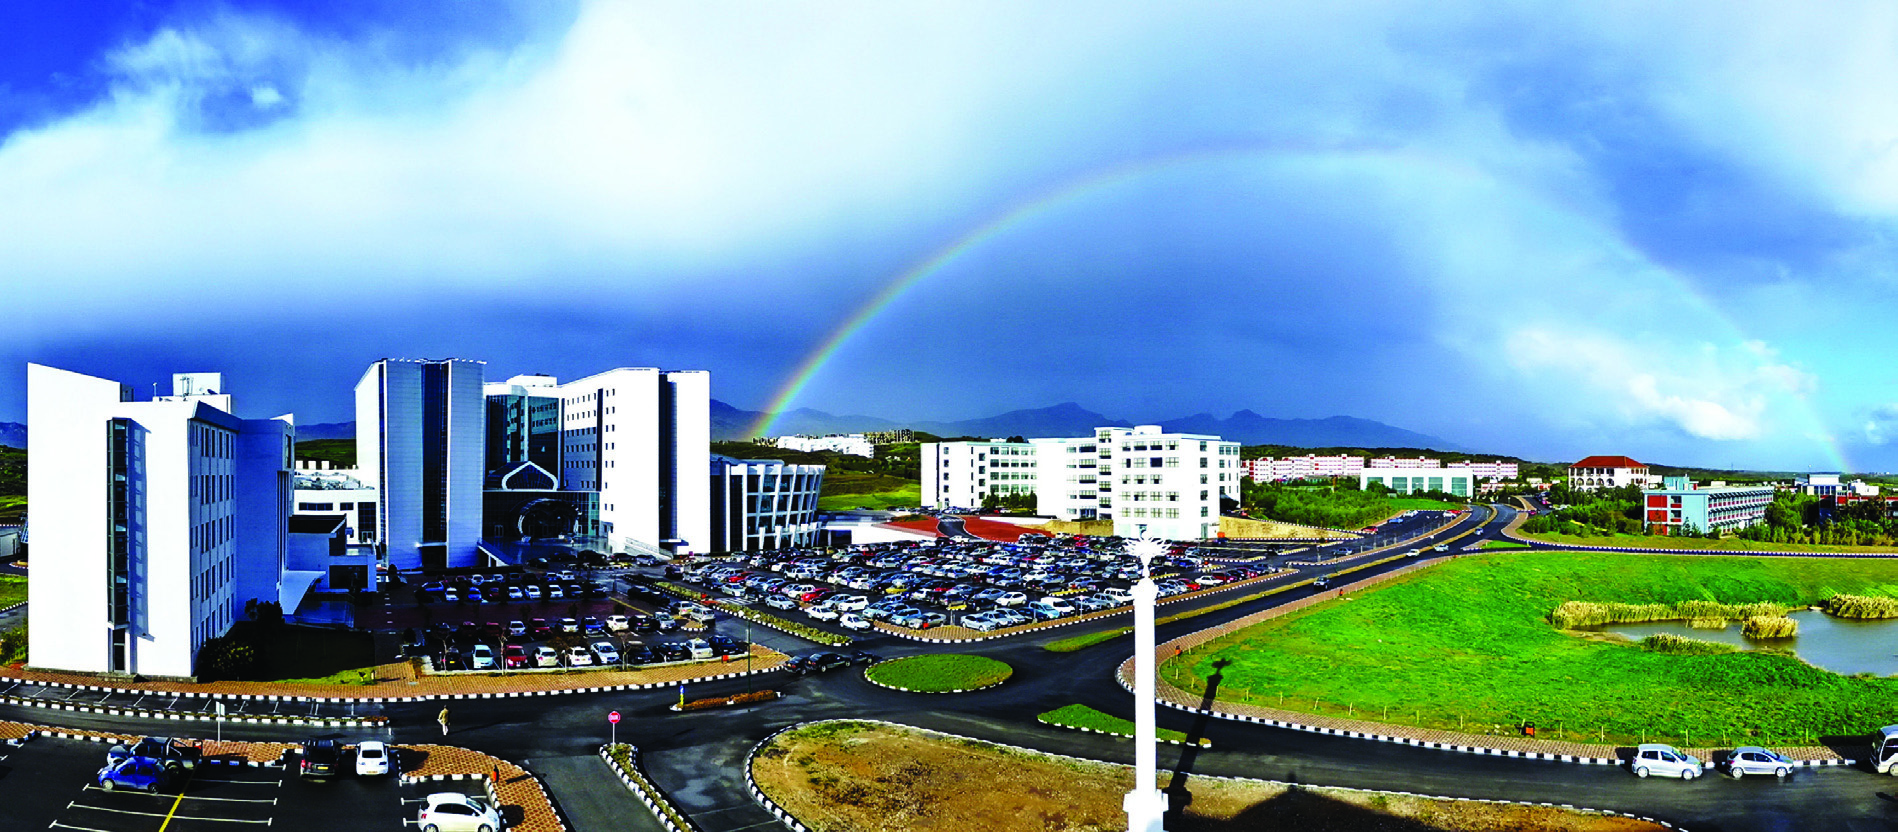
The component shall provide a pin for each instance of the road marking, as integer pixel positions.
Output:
(249, 782)
(180, 799)
(270, 800)
(58, 825)
(168, 816)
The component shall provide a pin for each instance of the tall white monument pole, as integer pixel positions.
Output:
(1146, 804)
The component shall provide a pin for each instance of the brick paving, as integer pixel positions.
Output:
(1501, 742)
(511, 785)
(401, 680)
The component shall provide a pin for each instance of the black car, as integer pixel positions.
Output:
(673, 651)
(451, 660)
(640, 655)
(321, 758)
(861, 657)
(820, 662)
(726, 645)
(642, 623)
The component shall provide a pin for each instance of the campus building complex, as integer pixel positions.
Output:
(1680, 507)
(763, 504)
(1459, 482)
(171, 514)
(855, 444)
(1311, 466)
(420, 432)
(1606, 472)
(1146, 480)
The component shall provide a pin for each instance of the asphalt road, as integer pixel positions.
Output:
(697, 758)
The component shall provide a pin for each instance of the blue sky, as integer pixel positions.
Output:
(1546, 229)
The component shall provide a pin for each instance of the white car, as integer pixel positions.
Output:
(545, 656)
(696, 613)
(850, 603)
(532, 591)
(1655, 758)
(980, 622)
(372, 758)
(457, 812)
(577, 656)
(606, 653)
(481, 658)
(1011, 599)
(618, 623)
(853, 621)
(1061, 605)
(701, 649)
(822, 612)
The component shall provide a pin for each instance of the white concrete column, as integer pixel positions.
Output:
(1146, 804)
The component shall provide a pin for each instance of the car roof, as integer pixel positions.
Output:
(439, 798)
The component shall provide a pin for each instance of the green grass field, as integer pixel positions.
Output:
(1422, 504)
(908, 495)
(12, 591)
(1467, 646)
(12, 507)
(1082, 716)
(1655, 541)
(939, 673)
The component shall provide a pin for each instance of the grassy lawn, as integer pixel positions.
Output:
(939, 673)
(12, 591)
(1656, 541)
(13, 507)
(1467, 645)
(1082, 716)
(1422, 504)
(910, 494)
(1499, 544)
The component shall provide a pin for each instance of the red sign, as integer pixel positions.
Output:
(613, 717)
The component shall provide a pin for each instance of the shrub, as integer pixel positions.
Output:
(1705, 614)
(1769, 626)
(1674, 645)
(728, 701)
(1861, 606)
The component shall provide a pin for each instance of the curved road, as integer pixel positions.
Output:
(697, 759)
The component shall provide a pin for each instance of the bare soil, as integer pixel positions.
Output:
(867, 777)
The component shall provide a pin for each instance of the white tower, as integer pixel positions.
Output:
(1146, 804)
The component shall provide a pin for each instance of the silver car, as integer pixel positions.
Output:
(1655, 758)
(1752, 759)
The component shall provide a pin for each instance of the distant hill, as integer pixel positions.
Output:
(1250, 428)
(326, 430)
(13, 434)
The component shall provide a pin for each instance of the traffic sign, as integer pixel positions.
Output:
(613, 717)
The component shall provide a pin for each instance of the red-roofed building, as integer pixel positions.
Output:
(1606, 472)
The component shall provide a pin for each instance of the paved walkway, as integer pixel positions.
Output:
(401, 681)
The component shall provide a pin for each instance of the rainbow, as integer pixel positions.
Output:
(1099, 179)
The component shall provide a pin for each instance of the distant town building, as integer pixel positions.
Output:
(1268, 469)
(1827, 485)
(322, 490)
(1679, 507)
(1606, 472)
(1459, 482)
(855, 444)
(889, 437)
(763, 504)
(172, 514)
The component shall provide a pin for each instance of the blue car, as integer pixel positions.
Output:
(144, 773)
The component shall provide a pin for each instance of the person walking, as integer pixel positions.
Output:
(443, 719)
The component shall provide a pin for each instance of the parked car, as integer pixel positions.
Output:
(727, 646)
(545, 656)
(577, 656)
(605, 652)
(142, 773)
(1043, 610)
(457, 812)
(853, 621)
(516, 628)
(538, 628)
(822, 612)
(1885, 750)
(569, 625)
(780, 602)
(173, 753)
(533, 592)
(1011, 599)
(665, 623)
(618, 623)
(481, 657)
(698, 613)
(700, 648)
(1655, 758)
(321, 758)
(1752, 759)
(514, 655)
(592, 625)
(821, 662)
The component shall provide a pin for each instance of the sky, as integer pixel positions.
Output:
(1546, 230)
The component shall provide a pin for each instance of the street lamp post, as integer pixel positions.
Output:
(1146, 804)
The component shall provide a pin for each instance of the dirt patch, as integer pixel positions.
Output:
(1239, 527)
(866, 777)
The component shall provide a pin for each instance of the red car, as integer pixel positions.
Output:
(515, 655)
(814, 596)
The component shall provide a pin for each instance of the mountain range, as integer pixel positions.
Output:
(1067, 419)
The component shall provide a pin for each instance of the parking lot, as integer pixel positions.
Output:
(51, 784)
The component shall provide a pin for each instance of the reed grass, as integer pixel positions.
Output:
(1699, 614)
(1674, 645)
(1861, 606)
(1769, 626)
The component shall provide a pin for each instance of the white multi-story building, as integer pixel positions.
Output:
(1166, 485)
(641, 437)
(964, 474)
(1268, 469)
(420, 442)
(855, 443)
(1069, 478)
(763, 504)
(1492, 471)
(155, 522)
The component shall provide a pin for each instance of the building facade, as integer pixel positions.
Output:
(855, 444)
(1165, 485)
(1606, 472)
(1458, 482)
(170, 515)
(962, 475)
(1682, 508)
(641, 438)
(420, 441)
(523, 422)
(321, 489)
(763, 504)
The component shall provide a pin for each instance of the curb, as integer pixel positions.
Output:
(636, 782)
(426, 697)
(1203, 742)
(68, 735)
(866, 677)
(145, 713)
(792, 823)
(489, 787)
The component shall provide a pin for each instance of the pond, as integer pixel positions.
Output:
(1841, 645)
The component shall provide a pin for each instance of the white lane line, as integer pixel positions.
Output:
(248, 782)
(270, 800)
(58, 825)
(265, 821)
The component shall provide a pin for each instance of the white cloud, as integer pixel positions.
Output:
(1706, 392)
